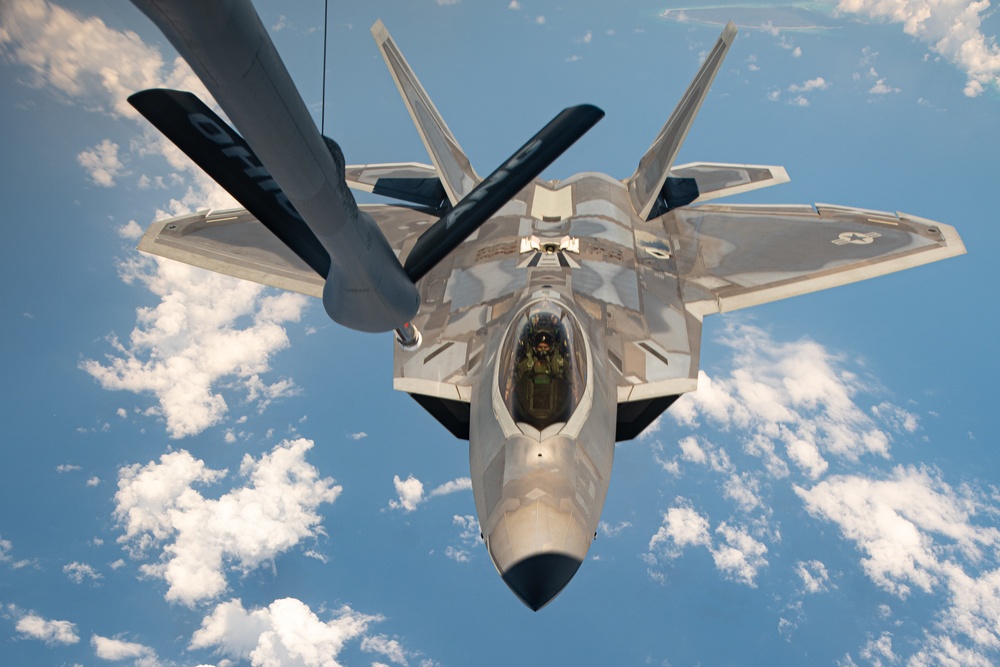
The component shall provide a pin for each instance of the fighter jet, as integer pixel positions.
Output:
(543, 321)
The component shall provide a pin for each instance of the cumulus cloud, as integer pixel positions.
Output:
(682, 527)
(116, 650)
(410, 491)
(101, 163)
(819, 83)
(920, 535)
(50, 632)
(384, 645)
(83, 61)
(188, 344)
(815, 578)
(79, 572)
(739, 556)
(951, 28)
(131, 231)
(159, 508)
(882, 88)
(468, 537)
(793, 394)
(288, 632)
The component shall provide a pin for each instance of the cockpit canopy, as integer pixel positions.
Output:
(543, 366)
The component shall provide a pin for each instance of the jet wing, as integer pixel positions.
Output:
(731, 257)
(235, 243)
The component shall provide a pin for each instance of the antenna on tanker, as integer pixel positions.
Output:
(322, 106)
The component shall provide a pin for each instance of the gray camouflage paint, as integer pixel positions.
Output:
(637, 287)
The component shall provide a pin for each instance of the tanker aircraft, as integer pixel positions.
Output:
(540, 320)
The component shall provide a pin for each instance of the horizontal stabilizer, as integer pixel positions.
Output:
(454, 168)
(703, 181)
(215, 147)
(646, 184)
(406, 181)
(499, 187)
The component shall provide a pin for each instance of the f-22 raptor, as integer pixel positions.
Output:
(543, 321)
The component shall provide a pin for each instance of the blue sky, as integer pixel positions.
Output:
(202, 472)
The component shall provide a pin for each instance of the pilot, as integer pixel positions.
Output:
(544, 359)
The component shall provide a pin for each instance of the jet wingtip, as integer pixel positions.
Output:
(379, 31)
(729, 33)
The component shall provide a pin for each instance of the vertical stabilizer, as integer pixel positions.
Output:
(457, 174)
(646, 183)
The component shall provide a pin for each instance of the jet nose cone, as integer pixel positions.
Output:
(537, 579)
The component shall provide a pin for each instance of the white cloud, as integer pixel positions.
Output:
(67, 467)
(455, 485)
(102, 163)
(131, 231)
(877, 650)
(411, 491)
(819, 83)
(951, 28)
(116, 650)
(468, 536)
(613, 531)
(77, 572)
(918, 534)
(682, 527)
(286, 632)
(50, 632)
(882, 88)
(741, 557)
(84, 61)
(157, 506)
(189, 343)
(815, 578)
(514, 4)
(360, 435)
(691, 451)
(795, 394)
(390, 648)
(93, 481)
(744, 490)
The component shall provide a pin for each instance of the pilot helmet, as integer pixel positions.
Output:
(542, 342)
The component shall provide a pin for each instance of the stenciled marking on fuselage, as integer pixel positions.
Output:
(493, 179)
(254, 168)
